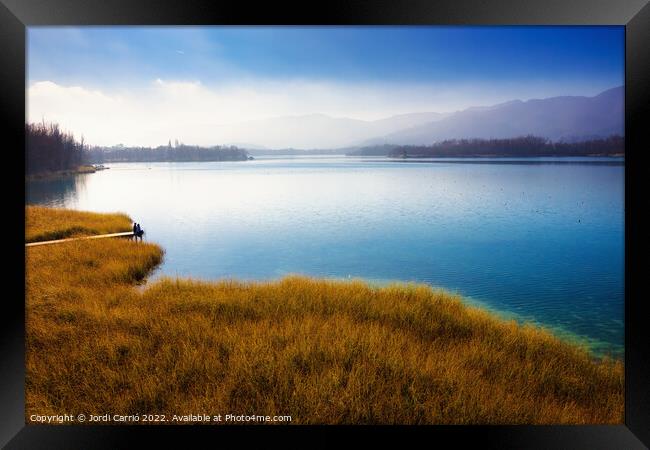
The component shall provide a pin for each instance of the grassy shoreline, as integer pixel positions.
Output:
(321, 351)
(60, 173)
(45, 224)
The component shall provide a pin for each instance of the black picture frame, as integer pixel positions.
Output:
(16, 15)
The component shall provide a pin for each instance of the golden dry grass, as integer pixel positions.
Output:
(44, 224)
(324, 352)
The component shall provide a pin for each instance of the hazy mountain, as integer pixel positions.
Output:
(567, 118)
(319, 130)
(407, 120)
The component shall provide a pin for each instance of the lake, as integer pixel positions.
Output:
(538, 240)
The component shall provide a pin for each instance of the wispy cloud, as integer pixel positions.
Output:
(236, 112)
(212, 85)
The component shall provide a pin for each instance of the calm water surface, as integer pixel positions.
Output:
(539, 240)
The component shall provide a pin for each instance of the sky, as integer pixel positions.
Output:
(206, 85)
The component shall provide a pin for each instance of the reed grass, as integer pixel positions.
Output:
(44, 224)
(322, 351)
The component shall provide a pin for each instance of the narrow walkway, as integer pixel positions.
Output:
(98, 236)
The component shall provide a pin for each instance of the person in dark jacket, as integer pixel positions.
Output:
(139, 231)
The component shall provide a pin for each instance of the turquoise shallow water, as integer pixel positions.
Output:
(539, 240)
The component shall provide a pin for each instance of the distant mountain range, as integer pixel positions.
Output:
(321, 131)
(567, 118)
(557, 118)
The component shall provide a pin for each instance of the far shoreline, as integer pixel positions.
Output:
(49, 175)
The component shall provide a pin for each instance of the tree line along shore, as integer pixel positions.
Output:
(322, 351)
(52, 151)
(520, 147)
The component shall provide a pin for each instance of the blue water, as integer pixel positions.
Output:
(538, 240)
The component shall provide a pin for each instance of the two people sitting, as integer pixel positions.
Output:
(137, 231)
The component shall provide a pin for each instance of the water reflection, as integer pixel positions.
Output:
(55, 192)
